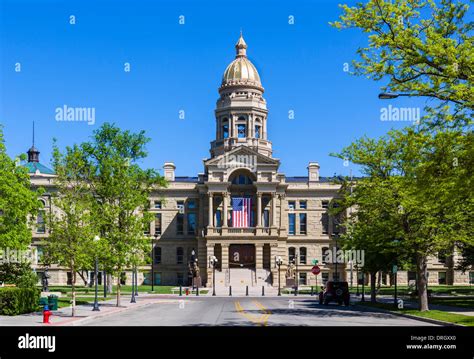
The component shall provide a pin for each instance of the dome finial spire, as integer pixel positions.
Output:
(241, 46)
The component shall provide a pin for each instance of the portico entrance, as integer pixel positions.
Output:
(242, 256)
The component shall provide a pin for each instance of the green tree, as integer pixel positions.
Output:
(424, 48)
(18, 202)
(417, 180)
(70, 243)
(121, 188)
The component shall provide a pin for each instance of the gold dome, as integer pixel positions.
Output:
(241, 71)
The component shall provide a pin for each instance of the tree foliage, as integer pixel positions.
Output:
(18, 202)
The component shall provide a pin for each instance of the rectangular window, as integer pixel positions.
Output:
(291, 205)
(157, 255)
(179, 255)
(180, 223)
(180, 278)
(325, 223)
(266, 218)
(303, 255)
(303, 204)
(225, 131)
(325, 277)
(157, 205)
(191, 204)
(291, 223)
(302, 223)
(442, 278)
(191, 223)
(325, 204)
(218, 218)
(40, 253)
(302, 279)
(158, 223)
(40, 222)
(157, 278)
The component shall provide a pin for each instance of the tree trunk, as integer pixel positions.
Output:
(73, 292)
(109, 283)
(373, 280)
(422, 283)
(379, 280)
(118, 290)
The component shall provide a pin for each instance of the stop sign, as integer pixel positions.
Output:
(315, 270)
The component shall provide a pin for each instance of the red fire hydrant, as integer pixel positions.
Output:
(187, 291)
(46, 314)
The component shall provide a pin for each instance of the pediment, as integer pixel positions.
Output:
(244, 155)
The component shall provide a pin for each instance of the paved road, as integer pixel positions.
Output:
(244, 311)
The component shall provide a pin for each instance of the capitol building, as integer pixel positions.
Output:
(241, 208)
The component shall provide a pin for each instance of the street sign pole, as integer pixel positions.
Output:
(395, 270)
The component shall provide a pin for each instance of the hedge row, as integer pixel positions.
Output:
(14, 301)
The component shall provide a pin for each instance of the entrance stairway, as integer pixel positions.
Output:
(240, 278)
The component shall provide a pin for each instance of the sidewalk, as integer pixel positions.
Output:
(84, 312)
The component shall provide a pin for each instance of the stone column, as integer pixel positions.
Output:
(225, 255)
(225, 214)
(259, 255)
(211, 211)
(209, 252)
(259, 209)
(274, 209)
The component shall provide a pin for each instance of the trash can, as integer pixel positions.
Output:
(43, 301)
(53, 302)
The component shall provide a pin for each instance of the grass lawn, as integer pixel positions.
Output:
(455, 302)
(66, 301)
(432, 314)
(125, 289)
(439, 289)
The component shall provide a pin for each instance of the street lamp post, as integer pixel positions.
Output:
(133, 300)
(351, 278)
(357, 276)
(213, 262)
(279, 262)
(96, 279)
(153, 263)
(296, 272)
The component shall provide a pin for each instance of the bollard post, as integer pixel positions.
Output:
(180, 291)
(247, 291)
(312, 293)
(197, 291)
(230, 291)
(263, 291)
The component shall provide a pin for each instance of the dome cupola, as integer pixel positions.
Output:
(241, 72)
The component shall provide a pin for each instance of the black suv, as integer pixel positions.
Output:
(335, 292)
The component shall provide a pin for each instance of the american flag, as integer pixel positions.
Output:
(241, 209)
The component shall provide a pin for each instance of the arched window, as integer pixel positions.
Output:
(241, 179)
(225, 128)
(157, 255)
(241, 130)
(303, 255)
(291, 254)
(179, 255)
(257, 131)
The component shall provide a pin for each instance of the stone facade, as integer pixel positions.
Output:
(288, 218)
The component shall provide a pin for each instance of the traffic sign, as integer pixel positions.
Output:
(395, 269)
(314, 261)
(315, 270)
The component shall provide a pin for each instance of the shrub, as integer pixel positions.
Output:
(14, 301)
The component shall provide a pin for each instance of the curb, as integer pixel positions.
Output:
(409, 316)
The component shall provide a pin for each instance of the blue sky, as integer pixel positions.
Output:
(179, 67)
